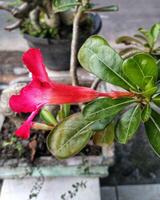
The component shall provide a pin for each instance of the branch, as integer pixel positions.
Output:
(34, 17)
(51, 18)
(5, 6)
(95, 83)
(14, 26)
(74, 44)
(19, 12)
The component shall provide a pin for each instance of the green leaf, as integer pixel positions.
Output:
(152, 127)
(128, 124)
(47, 116)
(155, 31)
(149, 87)
(101, 124)
(64, 5)
(69, 137)
(104, 108)
(156, 100)
(146, 113)
(97, 57)
(148, 82)
(110, 8)
(104, 137)
(158, 64)
(127, 40)
(128, 52)
(63, 112)
(149, 92)
(141, 37)
(148, 35)
(138, 67)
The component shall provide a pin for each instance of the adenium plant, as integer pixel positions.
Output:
(144, 41)
(41, 91)
(48, 18)
(137, 74)
(107, 116)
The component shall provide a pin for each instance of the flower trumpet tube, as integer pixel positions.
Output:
(41, 91)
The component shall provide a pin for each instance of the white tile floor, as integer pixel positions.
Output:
(50, 189)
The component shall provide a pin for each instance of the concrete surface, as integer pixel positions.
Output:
(139, 192)
(131, 192)
(108, 193)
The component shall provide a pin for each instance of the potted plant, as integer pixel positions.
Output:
(144, 41)
(91, 165)
(48, 25)
(115, 115)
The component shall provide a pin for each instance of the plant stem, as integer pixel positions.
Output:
(74, 45)
(95, 83)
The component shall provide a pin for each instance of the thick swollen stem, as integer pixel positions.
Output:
(34, 17)
(19, 12)
(74, 45)
(14, 26)
(5, 6)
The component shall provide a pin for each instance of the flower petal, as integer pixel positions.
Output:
(34, 61)
(71, 94)
(24, 130)
(30, 97)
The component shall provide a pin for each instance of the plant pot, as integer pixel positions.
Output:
(57, 52)
(95, 164)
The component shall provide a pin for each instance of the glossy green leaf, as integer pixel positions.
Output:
(48, 117)
(149, 92)
(104, 137)
(155, 31)
(101, 124)
(128, 124)
(152, 127)
(148, 35)
(66, 108)
(69, 137)
(64, 5)
(141, 37)
(138, 67)
(111, 8)
(148, 82)
(146, 113)
(127, 40)
(158, 64)
(156, 100)
(149, 87)
(104, 108)
(97, 57)
(63, 112)
(128, 52)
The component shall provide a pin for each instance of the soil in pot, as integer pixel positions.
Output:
(12, 147)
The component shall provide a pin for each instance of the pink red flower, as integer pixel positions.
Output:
(41, 91)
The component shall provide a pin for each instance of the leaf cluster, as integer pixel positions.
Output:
(104, 120)
(144, 41)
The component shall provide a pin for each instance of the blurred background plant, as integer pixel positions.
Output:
(144, 41)
(49, 18)
(49, 24)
